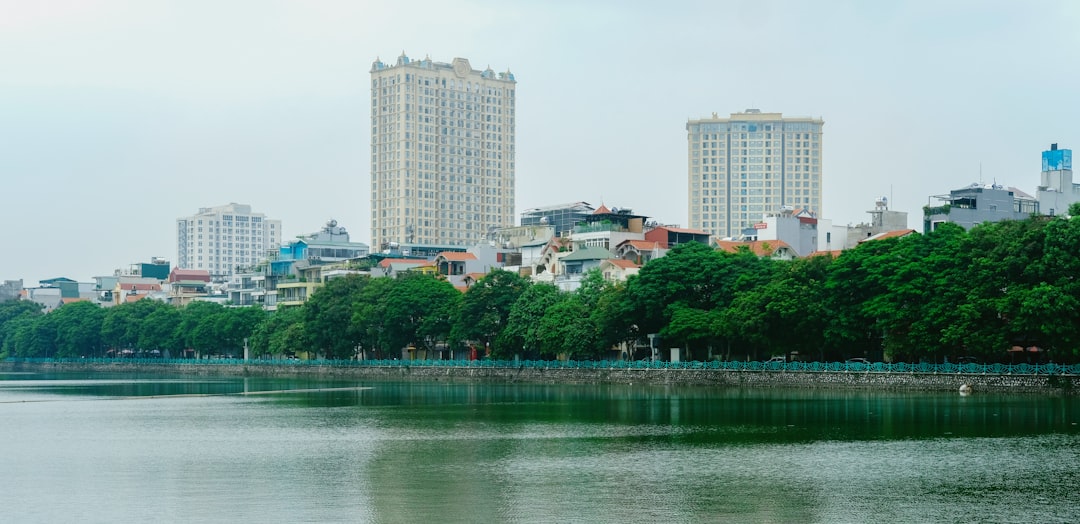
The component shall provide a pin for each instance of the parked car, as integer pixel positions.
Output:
(858, 360)
(777, 359)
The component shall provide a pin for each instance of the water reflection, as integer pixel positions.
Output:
(298, 449)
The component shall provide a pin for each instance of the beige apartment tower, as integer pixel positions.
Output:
(442, 153)
(749, 165)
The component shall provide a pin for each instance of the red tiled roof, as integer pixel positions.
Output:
(189, 274)
(623, 263)
(73, 299)
(643, 245)
(602, 210)
(456, 256)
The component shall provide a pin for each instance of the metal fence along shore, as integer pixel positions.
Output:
(808, 367)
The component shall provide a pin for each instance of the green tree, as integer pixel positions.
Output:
(485, 309)
(78, 329)
(11, 312)
(419, 310)
(369, 322)
(199, 327)
(523, 332)
(280, 333)
(161, 331)
(328, 317)
(567, 330)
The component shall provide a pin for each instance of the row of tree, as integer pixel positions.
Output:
(941, 295)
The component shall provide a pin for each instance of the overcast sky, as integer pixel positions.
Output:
(118, 117)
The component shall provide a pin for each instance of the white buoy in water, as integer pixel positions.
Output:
(965, 390)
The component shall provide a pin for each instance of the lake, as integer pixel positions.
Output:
(127, 448)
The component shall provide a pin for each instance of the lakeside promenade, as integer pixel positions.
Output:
(1019, 378)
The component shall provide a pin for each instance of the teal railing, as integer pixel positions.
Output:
(855, 367)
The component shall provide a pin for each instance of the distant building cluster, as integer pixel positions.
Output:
(443, 202)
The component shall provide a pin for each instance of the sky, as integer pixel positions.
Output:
(118, 117)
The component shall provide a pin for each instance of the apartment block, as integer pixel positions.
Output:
(225, 239)
(751, 164)
(442, 152)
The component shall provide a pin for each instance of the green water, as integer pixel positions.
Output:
(101, 448)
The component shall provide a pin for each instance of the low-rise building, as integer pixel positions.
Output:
(1057, 191)
(978, 203)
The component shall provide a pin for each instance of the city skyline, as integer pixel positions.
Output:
(116, 117)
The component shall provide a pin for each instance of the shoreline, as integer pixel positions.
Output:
(869, 380)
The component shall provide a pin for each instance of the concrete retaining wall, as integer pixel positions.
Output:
(1046, 384)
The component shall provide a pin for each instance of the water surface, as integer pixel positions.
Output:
(115, 448)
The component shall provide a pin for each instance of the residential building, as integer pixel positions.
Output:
(573, 266)
(224, 238)
(187, 285)
(750, 164)
(442, 152)
(54, 292)
(561, 217)
(607, 228)
(1057, 191)
(300, 266)
(10, 290)
(797, 228)
(617, 269)
(479, 259)
(978, 203)
(640, 251)
(671, 236)
(882, 220)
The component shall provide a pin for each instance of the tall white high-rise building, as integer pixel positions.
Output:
(749, 165)
(221, 239)
(442, 152)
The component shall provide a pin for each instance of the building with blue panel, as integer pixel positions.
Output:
(1056, 191)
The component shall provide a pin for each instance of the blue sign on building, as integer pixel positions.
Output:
(1056, 159)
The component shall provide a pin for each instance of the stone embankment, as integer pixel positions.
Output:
(913, 381)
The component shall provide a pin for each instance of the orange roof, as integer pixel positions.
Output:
(73, 299)
(602, 210)
(456, 256)
(889, 234)
(643, 245)
(756, 247)
(386, 262)
(623, 263)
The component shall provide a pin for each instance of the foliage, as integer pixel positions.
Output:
(931, 297)
(485, 310)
